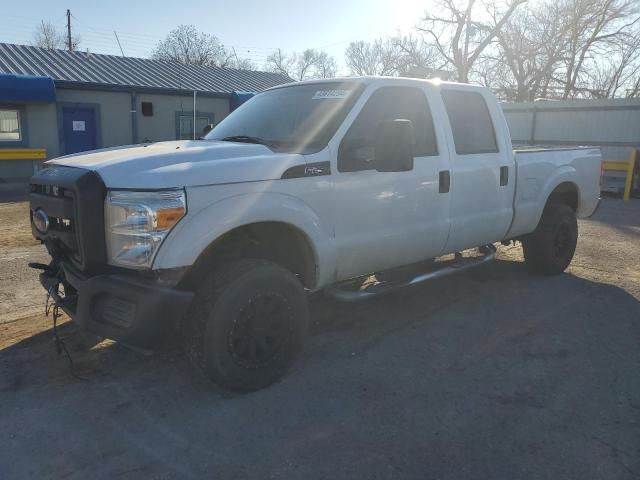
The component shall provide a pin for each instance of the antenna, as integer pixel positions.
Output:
(118, 40)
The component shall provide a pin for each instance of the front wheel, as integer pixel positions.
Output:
(550, 248)
(247, 325)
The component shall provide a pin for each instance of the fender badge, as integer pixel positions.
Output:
(313, 171)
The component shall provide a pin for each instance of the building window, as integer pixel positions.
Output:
(185, 125)
(147, 109)
(10, 126)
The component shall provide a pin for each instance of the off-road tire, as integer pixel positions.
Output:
(247, 301)
(550, 248)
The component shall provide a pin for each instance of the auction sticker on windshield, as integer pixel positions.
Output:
(324, 94)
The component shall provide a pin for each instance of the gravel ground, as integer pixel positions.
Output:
(20, 292)
(490, 374)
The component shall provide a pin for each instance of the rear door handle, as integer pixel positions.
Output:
(445, 181)
(504, 176)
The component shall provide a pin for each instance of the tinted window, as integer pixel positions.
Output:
(389, 103)
(470, 121)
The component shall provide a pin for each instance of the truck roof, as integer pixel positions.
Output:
(373, 80)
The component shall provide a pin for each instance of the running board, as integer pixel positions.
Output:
(339, 292)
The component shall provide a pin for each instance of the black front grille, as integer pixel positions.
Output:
(73, 200)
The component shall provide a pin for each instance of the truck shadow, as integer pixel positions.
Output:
(455, 364)
(496, 296)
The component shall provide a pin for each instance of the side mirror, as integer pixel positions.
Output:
(394, 146)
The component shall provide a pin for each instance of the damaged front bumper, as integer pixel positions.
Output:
(120, 306)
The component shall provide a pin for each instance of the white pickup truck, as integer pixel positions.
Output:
(313, 186)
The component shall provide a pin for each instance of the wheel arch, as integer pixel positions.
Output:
(255, 218)
(561, 187)
(277, 241)
(566, 193)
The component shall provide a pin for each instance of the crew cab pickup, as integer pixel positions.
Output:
(308, 187)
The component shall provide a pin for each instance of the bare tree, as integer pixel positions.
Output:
(188, 46)
(379, 57)
(419, 59)
(47, 36)
(531, 44)
(311, 63)
(406, 56)
(304, 64)
(592, 25)
(280, 62)
(241, 63)
(325, 66)
(460, 33)
(618, 73)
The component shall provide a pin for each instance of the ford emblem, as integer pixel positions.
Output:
(41, 220)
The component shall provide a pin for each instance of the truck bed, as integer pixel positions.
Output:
(539, 170)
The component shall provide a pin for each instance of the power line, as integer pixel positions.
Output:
(114, 42)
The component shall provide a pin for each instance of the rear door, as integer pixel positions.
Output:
(482, 170)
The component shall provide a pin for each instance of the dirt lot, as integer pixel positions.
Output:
(491, 374)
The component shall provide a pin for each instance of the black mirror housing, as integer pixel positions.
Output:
(394, 146)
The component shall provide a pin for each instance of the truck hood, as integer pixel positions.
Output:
(182, 163)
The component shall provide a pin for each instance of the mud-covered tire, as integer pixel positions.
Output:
(247, 324)
(550, 248)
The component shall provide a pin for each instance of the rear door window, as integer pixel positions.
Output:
(471, 124)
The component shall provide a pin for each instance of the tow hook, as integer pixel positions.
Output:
(42, 266)
(49, 276)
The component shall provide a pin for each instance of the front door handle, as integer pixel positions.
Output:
(445, 181)
(504, 176)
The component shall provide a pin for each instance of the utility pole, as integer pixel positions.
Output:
(69, 45)
(194, 115)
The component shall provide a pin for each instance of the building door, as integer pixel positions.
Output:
(79, 129)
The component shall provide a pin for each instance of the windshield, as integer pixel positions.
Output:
(298, 119)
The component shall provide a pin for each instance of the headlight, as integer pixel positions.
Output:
(137, 222)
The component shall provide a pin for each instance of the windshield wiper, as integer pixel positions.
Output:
(246, 139)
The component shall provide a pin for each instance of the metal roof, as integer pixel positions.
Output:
(110, 71)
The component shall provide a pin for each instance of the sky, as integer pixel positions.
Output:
(254, 28)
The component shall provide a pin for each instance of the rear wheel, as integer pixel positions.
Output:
(247, 324)
(550, 248)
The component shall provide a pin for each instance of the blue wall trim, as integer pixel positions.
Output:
(26, 88)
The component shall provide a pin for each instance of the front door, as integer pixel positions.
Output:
(79, 129)
(388, 219)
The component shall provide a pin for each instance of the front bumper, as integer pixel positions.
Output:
(122, 307)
